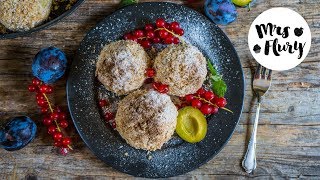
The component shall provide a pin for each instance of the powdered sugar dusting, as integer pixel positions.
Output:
(182, 67)
(146, 119)
(176, 156)
(121, 66)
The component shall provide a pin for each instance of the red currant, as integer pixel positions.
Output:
(66, 141)
(63, 123)
(174, 26)
(127, 36)
(156, 40)
(206, 109)
(44, 110)
(148, 27)
(64, 151)
(39, 96)
(196, 103)
(42, 103)
(57, 136)
(52, 129)
(138, 33)
(113, 125)
(54, 115)
(145, 44)
(169, 39)
(108, 116)
(164, 89)
(150, 34)
(167, 26)
(189, 97)
(221, 102)
(176, 40)
(160, 23)
(179, 31)
(201, 91)
(103, 103)
(57, 144)
(49, 89)
(150, 72)
(208, 95)
(32, 88)
(62, 115)
(163, 34)
(161, 88)
(134, 38)
(43, 88)
(47, 121)
(36, 81)
(214, 110)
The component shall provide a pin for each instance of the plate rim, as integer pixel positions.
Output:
(210, 157)
(45, 25)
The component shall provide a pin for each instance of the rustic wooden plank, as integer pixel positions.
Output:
(273, 160)
(288, 146)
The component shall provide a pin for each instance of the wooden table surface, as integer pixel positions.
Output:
(289, 129)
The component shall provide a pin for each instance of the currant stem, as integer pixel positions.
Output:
(202, 99)
(170, 33)
(57, 125)
(47, 99)
(51, 109)
(226, 109)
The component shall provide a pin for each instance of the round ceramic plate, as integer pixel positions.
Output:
(63, 9)
(177, 156)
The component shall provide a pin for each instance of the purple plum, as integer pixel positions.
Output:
(19, 132)
(49, 64)
(220, 11)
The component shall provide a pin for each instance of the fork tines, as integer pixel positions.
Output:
(263, 73)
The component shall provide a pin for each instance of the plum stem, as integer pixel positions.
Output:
(249, 7)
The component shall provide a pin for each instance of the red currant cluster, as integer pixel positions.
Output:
(206, 101)
(54, 118)
(161, 32)
(108, 116)
(161, 88)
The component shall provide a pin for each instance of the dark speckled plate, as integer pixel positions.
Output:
(176, 157)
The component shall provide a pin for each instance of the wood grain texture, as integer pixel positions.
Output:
(288, 135)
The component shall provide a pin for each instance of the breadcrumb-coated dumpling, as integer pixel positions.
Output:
(146, 119)
(22, 15)
(183, 67)
(121, 66)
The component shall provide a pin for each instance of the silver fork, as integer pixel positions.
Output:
(261, 84)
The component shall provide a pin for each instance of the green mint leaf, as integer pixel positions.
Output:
(215, 78)
(219, 87)
(127, 2)
(212, 70)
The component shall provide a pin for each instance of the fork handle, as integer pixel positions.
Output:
(249, 162)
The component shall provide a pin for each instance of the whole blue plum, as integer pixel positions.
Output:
(220, 11)
(49, 64)
(19, 132)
